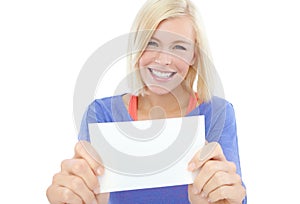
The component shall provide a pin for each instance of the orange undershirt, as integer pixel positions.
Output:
(133, 105)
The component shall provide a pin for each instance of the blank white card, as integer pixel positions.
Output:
(147, 154)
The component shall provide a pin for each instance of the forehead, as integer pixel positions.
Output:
(176, 28)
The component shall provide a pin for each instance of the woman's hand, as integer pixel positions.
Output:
(77, 181)
(217, 181)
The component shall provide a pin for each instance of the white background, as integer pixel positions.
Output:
(44, 44)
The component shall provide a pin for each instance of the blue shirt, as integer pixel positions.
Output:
(220, 126)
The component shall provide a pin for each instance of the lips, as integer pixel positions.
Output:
(161, 74)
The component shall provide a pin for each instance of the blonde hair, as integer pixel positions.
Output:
(147, 20)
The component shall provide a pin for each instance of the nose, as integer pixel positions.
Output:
(163, 58)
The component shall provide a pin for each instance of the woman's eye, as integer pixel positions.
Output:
(179, 47)
(152, 44)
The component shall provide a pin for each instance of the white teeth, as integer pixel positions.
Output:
(164, 75)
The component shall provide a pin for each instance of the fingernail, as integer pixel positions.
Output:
(192, 166)
(94, 201)
(99, 171)
(202, 156)
(203, 195)
(195, 190)
(97, 190)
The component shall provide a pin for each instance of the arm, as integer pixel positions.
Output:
(219, 179)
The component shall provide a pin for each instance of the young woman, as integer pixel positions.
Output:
(170, 57)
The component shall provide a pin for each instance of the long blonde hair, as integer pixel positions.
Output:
(147, 20)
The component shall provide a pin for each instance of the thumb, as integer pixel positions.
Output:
(84, 150)
(210, 151)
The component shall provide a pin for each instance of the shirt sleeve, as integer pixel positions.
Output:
(89, 116)
(229, 140)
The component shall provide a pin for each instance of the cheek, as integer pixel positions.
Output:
(146, 58)
(182, 67)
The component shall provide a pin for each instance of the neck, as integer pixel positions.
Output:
(172, 104)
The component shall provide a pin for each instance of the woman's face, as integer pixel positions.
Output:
(168, 56)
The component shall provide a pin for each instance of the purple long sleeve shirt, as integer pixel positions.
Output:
(220, 126)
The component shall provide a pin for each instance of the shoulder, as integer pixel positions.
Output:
(222, 107)
(106, 102)
(113, 99)
(110, 109)
(219, 115)
(104, 106)
(215, 106)
(219, 102)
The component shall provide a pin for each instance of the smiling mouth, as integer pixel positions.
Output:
(161, 74)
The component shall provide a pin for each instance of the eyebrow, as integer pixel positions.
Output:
(182, 41)
(174, 42)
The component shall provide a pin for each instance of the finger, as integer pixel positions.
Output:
(208, 170)
(60, 195)
(76, 185)
(80, 168)
(210, 151)
(84, 150)
(235, 194)
(221, 178)
(196, 198)
(102, 197)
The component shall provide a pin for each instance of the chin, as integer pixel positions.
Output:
(159, 90)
